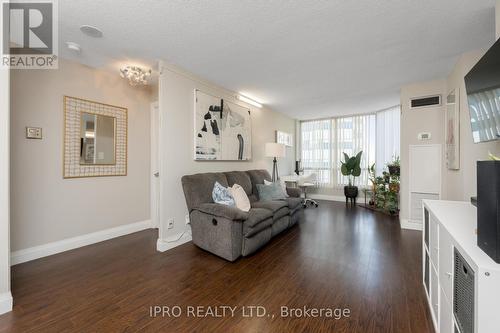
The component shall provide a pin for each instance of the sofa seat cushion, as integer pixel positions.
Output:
(279, 208)
(218, 210)
(258, 220)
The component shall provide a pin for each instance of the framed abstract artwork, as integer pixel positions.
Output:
(284, 138)
(453, 130)
(222, 130)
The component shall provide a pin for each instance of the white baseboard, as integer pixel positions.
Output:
(5, 302)
(174, 241)
(326, 197)
(406, 224)
(41, 251)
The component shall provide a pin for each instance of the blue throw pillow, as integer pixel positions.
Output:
(270, 192)
(221, 195)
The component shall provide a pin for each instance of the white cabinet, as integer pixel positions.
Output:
(446, 315)
(435, 295)
(449, 238)
(434, 242)
(446, 263)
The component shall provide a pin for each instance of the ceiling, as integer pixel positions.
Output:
(307, 59)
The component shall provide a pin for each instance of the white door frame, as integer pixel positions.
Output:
(155, 164)
(5, 294)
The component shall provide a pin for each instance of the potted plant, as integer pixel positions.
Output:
(351, 168)
(394, 186)
(373, 180)
(394, 166)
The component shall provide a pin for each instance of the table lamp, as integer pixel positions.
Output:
(275, 150)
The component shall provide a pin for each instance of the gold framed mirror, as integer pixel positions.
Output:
(95, 139)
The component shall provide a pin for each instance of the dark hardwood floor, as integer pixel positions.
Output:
(336, 258)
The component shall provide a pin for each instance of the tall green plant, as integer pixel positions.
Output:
(351, 167)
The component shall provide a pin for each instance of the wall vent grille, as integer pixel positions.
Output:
(422, 102)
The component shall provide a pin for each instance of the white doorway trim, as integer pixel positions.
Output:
(155, 164)
(5, 294)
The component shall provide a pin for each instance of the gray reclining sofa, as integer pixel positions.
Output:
(228, 231)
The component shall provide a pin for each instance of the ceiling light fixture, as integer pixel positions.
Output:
(91, 31)
(135, 75)
(249, 101)
(74, 47)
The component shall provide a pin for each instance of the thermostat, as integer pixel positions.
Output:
(424, 136)
(33, 133)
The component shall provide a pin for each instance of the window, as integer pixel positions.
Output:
(317, 149)
(324, 142)
(355, 134)
(388, 134)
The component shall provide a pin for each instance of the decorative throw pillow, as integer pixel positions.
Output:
(240, 197)
(270, 192)
(221, 195)
(282, 184)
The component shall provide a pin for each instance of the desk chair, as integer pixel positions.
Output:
(304, 183)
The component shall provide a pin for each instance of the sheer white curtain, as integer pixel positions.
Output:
(388, 136)
(316, 148)
(485, 116)
(325, 141)
(355, 134)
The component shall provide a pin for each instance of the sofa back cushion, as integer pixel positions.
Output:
(270, 192)
(241, 178)
(198, 187)
(258, 177)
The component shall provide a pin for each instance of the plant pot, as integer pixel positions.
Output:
(351, 191)
(394, 188)
(394, 170)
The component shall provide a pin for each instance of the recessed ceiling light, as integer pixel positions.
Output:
(74, 47)
(91, 31)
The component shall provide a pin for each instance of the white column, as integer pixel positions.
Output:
(5, 295)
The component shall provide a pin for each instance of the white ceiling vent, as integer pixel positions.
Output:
(424, 102)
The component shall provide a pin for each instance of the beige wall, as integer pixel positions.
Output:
(456, 184)
(46, 207)
(415, 121)
(177, 140)
(497, 18)
(461, 184)
(5, 296)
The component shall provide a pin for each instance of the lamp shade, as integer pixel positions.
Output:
(275, 149)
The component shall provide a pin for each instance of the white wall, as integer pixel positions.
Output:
(47, 208)
(5, 296)
(177, 139)
(461, 184)
(414, 121)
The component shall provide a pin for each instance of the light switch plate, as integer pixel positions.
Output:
(34, 133)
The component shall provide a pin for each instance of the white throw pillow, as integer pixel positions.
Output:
(240, 197)
(282, 184)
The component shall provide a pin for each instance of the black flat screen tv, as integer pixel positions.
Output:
(483, 94)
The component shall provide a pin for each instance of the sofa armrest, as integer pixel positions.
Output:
(294, 192)
(228, 212)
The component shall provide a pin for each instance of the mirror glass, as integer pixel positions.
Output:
(97, 139)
